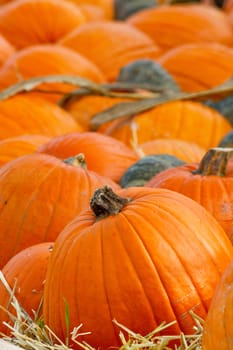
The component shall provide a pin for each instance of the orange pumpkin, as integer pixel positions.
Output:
(179, 24)
(148, 256)
(184, 150)
(6, 50)
(110, 45)
(25, 274)
(47, 21)
(40, 60)
(218, 333)
(13, 147)
(208, 182)
(184, 120)
(40, 194)
(104, 155)
(24, 114)
(215, 65)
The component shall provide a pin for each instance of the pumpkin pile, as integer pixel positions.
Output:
(116, 174)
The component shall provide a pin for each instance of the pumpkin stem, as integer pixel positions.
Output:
(78, 160)
(105, 202)
(215, 161)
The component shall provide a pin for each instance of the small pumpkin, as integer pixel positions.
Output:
(48, 59)
(208, 183)
(55, 20)
(110, 45)
(187, 151)
(144, 169)
(134, 257)
(40, 194)
(26, 114)
(25, 275)
(103, 154)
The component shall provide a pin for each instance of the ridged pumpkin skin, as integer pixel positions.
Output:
(215, 65)
(24, 114)
(196, 23)
(40, 60)
(213, 191)
(218, 332)
(47, 21)
(40, 194)
(104, 154)
(25, 274)
(110, 45)
(6, 50)
(185, 120)
(186, 151)
(159, 257)
(17, 146)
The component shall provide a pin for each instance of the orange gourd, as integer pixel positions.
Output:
(179, 24)
(40, 194)
(208, 182)
(185, 120)
(43, 60)
(25, 274)
(13, 147)
(110, 45)
(215, 65)
(47, 21)
(141, 258)
(24, 114)
(104, 154)
(184, 150)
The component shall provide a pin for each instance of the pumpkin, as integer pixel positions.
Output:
(104, 154)
(141, 257)
(13, 147)
(24, 114)
(40, 60)
(217, 332)
(55, 20)
(144, 169)
(25, 275)
(197, 23)
(208, 183)
(6, 50)
(110, 45)
(178, 119)
(40, 194)
(215, 65)
(184, 150)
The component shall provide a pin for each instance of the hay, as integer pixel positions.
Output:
(33, 334)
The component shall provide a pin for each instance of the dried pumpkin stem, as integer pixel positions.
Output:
(215, 162)
(105, 202)
(78, 161)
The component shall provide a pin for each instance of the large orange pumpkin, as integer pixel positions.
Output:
(40, 194)
(40, 60)
(208, 182)
(25, 275)
(104, 154)
(24, 114)
(148, 256)
(47, 21)
(185, 120)
(110, 45)
(172, 26)
(215, 65)
(218, 332)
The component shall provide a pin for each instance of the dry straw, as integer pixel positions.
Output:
(33, 334)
